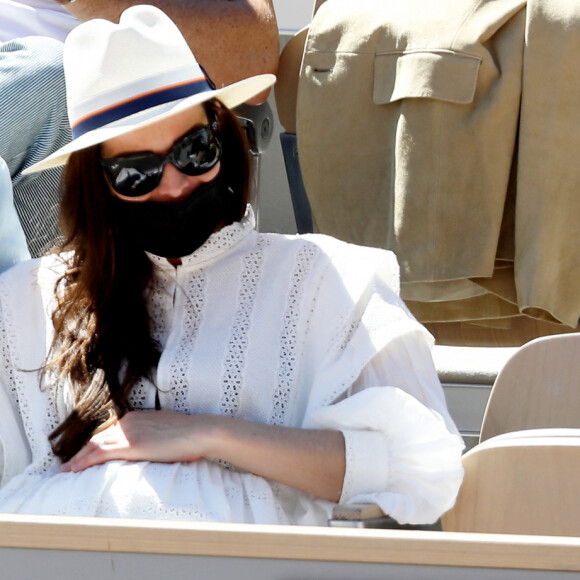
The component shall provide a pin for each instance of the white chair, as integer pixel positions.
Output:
(524, 482)
(538, 387)
(523, 475)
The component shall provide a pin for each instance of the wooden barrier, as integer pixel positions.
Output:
(87, 548)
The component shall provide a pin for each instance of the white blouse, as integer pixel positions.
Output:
(300, 331)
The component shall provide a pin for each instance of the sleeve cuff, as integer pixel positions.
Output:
(367, 464)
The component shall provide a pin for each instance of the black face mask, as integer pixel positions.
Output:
(173, 230)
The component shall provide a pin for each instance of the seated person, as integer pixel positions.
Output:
(30, 68)
(172, 362)
(234, 39)
(33, 126)
(244, 30)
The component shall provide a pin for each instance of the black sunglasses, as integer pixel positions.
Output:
(138, 174)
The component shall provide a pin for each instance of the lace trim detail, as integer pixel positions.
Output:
(348, 334)
(287, 369)
(6, 350)
(7, 347)
(193, 309)
(342, 341)
(142, 397)
(40, 447)
(156, 299)
(238, 343)
(357, 316)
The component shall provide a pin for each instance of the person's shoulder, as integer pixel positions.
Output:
(347, 261)
(358, 258)
(28, 273)
(330, 245)
(20, 270)
(323, 248)
(336, 246)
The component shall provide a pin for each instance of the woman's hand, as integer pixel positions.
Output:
(308, 459)
(163, 436)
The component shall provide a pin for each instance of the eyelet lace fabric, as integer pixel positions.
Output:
(12, 362)
(289, 342)
(264, 327)
(238, 341)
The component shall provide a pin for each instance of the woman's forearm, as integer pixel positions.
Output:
(307, 459)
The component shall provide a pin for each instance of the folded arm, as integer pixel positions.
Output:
(310, 460)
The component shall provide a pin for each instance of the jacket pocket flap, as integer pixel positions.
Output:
(429, 74)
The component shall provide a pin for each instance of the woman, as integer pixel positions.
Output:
(190, 367)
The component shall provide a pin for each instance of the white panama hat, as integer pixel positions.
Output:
(121, 77)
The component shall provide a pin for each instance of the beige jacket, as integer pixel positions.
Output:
(446, 131)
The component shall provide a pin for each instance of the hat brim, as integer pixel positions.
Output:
(231, 96)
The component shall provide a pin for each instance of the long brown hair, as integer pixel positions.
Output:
(102, 342)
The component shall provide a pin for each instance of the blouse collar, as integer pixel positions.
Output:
(216, 245)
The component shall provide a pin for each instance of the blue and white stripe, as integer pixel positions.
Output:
(33, 124)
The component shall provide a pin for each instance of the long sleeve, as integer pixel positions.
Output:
(403, 451)
(14, 449)
(378, 385)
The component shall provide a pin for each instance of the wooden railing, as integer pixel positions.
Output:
(105, 548)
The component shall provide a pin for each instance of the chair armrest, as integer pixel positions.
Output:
(371, 516)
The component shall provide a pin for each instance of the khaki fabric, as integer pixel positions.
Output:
(547, 232)
(286, 87)
(409, 135)
(390, 95)
(513, 331)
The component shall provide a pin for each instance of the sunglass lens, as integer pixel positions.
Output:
(138, 174)
(197, 152)
(134, 176)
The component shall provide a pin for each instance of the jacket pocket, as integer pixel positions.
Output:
(429, 74)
